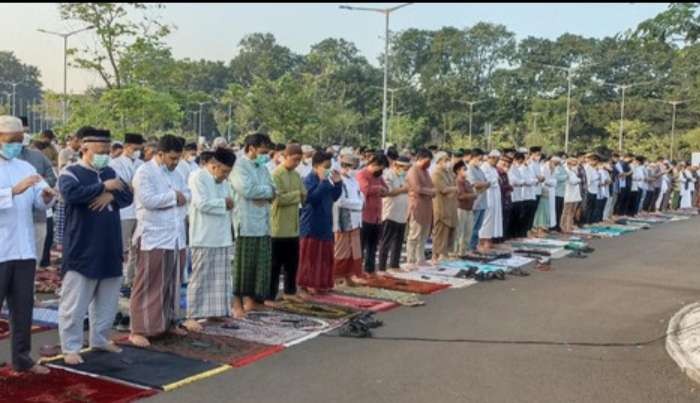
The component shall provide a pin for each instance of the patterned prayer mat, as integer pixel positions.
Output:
(47, 280)
(41, 317)
(153, 369)
(209, 347)
(452, 267)
(513, 262)
(315, 309)
(272, 328)
(363, 304)
(401, 298)
(399, 284)
(431, 276)
(5, 329)
(62, 386)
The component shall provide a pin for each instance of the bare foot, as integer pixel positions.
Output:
(192, 325)
(249, 304)
(292, 297)
(238, 312)
(72, 359)
(40, 369)
(354, 281)
(178, 331)
(270, 304)
(139, 340)
(109, 347)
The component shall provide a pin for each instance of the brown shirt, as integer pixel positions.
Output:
(444, 203)
(420, 195)
(466, 195)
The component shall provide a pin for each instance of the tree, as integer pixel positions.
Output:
(14, 71)
(259, 55)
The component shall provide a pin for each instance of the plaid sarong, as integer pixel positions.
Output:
(59, 220)
(251, 267)
(210, 288)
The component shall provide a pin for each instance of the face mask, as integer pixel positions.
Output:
(262, 159)
(11, 150)
(402, 174)
(191, 158)
(99, 161)
(327, 174)
(136, 154)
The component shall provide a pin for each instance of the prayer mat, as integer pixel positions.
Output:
(363, 304)
(5, 329)
(153, 369)
(647, 220)
(399, 284)
(61, 386)
(318, 310)
(513, 262)
(452, 267)
(41, 317)
(47, 280)
(209, 347)
(272, 328)
(401, 298)
(432, 276)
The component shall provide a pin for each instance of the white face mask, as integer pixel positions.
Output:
(136, 155)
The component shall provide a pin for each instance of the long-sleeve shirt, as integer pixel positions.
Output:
(371, 186)
(506, 188)
(160, 222)
(517, 182)
(465, 195)
(573, 186)
(395, 208)
(530, 181)
(561, 177)
(210, 221)
(445, 202)
(592, 180)
(252, 185)
(43, 167)
(536, 169)
(317, 213)
(604, 190)
(352, 200)
(93, 239)
(420, 195)
(289, 194)
(637, 178)
(17, 240)
(125, 168)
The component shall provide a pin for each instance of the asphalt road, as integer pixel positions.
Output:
(624, 293)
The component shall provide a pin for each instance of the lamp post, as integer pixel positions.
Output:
(673, 104)
(386, 12)
(569, 77)
(65, 36)
(623, 88)
(534, 121)
(14, 95)
(471, 114)
(201, 105)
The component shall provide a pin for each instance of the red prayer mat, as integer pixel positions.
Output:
(61, 386)
(214, 348)
(5, 331)
(398, 284)
(365, 304)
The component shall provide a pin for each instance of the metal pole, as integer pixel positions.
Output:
(673, 127)
(386, 74)
(228, 129)
(65, 79)
(568, 111)
(471, 111)
(622, 117)
(14, 99)
(199, 131)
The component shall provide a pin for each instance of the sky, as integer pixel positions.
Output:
(213, 30)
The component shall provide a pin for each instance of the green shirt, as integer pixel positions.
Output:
(289, 195)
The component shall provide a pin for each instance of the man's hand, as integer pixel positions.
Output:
(48, 194)
(101, 201)
(113, 184)
(335, 176)
(25, 184)
(180, 199)
(229, 203)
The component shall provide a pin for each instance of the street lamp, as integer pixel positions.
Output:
(623, 88)
(14, 94)
(65, 36)
(386, 12)
(201, 104)
(471, 113)
(673, 122)
(569, 75)
(534, 121)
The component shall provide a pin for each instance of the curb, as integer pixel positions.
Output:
(679, 351)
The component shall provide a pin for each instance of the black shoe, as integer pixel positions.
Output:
(123, 325)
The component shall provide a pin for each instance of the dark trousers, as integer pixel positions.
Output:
(516, 227)
(17, 287)
(589, 210)
(599, 209)
(633, 203)
(530, 211)
(507, 216)
(559, 205)
(370, 234)
(46, 255)
(392, 240)
(650, 202)
(285, 257)
(622, 202)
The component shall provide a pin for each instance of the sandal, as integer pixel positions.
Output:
(354, 329)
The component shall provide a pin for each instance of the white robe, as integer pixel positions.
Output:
(550, 183)
(493, 215)
(687, 189)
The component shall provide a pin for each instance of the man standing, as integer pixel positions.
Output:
(290, 193)
(373, 187)
(160, 197)
(592, 188)
(420, 208)
(21, 190)
(516, 227)
(476, 177)
(93, 253)
(209, 289)
(394, 214)
(492, 226)
(444, 207)
(125, 166)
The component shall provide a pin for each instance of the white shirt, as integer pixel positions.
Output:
(604, 190)
(573, 188)
(352, 199)
(395, 208)
(592, 179)
(160, 222)
(17, 240)
(516, 180)
(303, 169)
(637, 178)
(125, 168)
(530, 182)
(536, 169)
(185, 168)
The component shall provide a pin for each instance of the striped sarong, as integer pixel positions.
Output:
(210, 288)
(251, 267)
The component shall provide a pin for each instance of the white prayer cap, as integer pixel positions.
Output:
(440, 155)
(10, 124)
(336, 148)
(495, 154)
(555, 159)
(307, 149)
(219, 142)
(346, 151)
(522, 150)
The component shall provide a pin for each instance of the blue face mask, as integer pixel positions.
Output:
(99, 161)
(11, 150)
(262, 159)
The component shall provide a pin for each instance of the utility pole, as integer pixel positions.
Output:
(623, 88)
(471, 114)
(201, 105)
(673, 104)
(228, 128)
